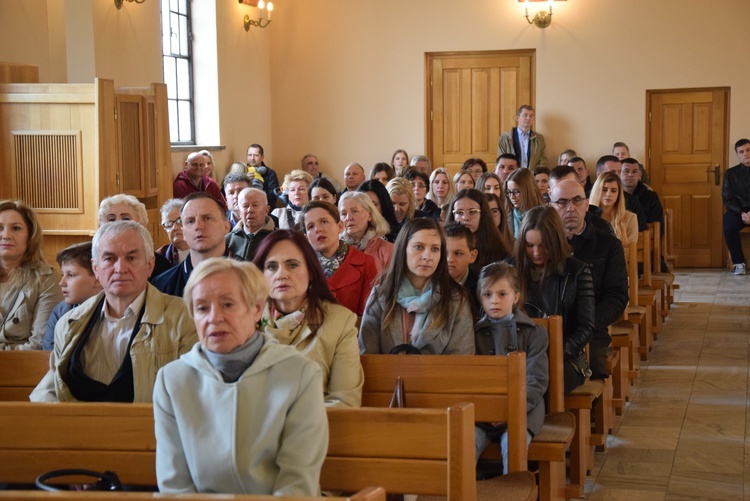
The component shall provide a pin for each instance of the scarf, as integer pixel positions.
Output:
(414, 301)
(331, 264)
(359, 244)
(517, 220)
(233, 364)
(285, 327)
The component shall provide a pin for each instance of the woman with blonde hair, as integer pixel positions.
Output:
(295, 195)
(608, 196)
(238, 385)
(29, 287)
(402, 198)
(441, 187)
(209, 163)
(463, 180)
(365, 228)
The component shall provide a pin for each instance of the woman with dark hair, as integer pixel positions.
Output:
(521, 194)
(382, 201)
(497, 209)
(475, 166)
(555, 283)
(29, 287)
(470, 208)
(350, 272)
(321, 189)
(302, 312)
(400, 162)
(382, 172)
(417, 303)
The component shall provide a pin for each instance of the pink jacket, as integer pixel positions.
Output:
(381, 251)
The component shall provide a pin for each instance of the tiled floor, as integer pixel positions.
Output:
(685, 433)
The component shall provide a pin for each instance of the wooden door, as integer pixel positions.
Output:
(687, 143)
(472, 97)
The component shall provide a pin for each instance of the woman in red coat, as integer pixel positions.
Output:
(350, 272)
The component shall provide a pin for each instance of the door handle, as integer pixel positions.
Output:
(717, 174)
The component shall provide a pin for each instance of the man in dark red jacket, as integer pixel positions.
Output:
(192, 179)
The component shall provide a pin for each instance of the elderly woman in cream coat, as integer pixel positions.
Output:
(29, 288)
(240, 413)
(302, 312)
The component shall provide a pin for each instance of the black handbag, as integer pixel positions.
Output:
(107, 481)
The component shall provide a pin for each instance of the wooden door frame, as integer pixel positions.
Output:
(430, 56)
(727, 91)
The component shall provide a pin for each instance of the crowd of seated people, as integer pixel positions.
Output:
(422, 260)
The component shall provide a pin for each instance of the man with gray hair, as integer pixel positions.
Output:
(310, 164)
(420, 163)
(255, 224)
(109, 348)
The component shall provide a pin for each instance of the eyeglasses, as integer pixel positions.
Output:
(170, 224)
(421, 186)
(478, 170)
(469, 214)
(512, 193)
(564, 202)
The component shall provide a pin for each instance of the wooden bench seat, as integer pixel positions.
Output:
(419, 451)
(20, 372)
(368, 494)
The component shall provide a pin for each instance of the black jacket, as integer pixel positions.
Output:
(736, 189)
(634, 205)
(569, 292)
(606, 259)
(651, 204)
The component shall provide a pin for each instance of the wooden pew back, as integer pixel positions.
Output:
(420, 451)
(496, 385)
(20, 372)
(556, 389)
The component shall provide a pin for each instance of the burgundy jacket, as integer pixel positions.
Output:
(182, 187)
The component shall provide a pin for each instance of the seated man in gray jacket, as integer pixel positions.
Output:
(109, 348)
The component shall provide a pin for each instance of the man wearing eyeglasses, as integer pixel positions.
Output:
(606, 258)
(528, 146)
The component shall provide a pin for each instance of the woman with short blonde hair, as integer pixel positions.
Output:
(295, 194)
(207, 401)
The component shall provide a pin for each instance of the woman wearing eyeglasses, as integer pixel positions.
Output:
(417, 304)
(470, 208)
(553, 282)
(497, 209)
(177, 249)
(522, 194)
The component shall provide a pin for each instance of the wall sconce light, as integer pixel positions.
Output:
(541, 19)
(118, 3)
(264, 17)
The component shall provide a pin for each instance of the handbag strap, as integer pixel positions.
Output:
(407, 324)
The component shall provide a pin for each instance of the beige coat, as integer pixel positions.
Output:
(28, 310)
(336, 350)
(165, 333)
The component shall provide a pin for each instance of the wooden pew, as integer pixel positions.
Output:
(419, 451)
(647, 295)
(20, 372)
(440, 380)
(662, 279)
(368, 494)
(549, 447)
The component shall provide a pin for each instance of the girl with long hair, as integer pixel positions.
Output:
(607, 194)
(521, 194)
